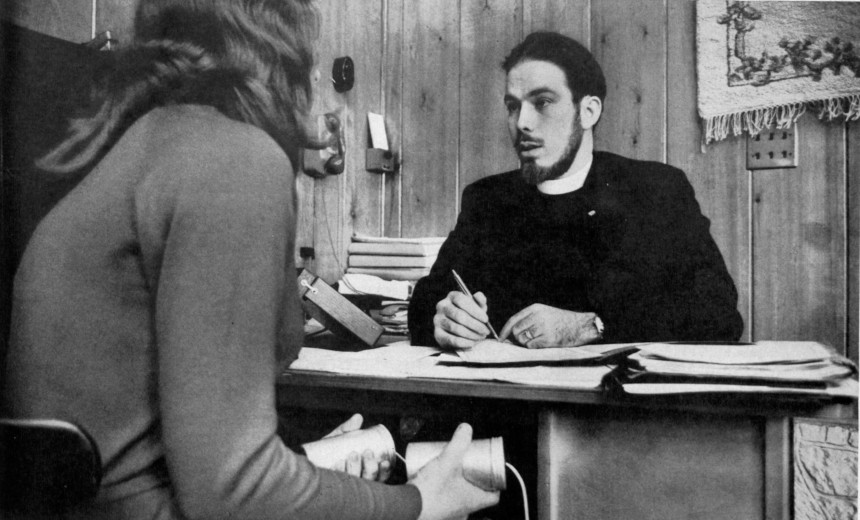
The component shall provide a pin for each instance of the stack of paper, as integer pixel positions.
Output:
(366, 284)
(393, 317)
(790, 367)
(492, 352)
(402, 360)
(393, 258)
(782, 367)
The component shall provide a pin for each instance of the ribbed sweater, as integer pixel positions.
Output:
(155, 305)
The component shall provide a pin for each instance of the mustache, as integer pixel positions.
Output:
(525, 141)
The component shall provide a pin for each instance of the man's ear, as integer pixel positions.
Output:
(590, 109)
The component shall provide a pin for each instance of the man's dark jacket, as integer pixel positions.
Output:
(631, 245)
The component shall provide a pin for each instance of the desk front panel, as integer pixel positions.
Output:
(628, 464)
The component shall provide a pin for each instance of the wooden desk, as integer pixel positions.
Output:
(599, 456)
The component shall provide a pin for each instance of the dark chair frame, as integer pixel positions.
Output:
(47, 466)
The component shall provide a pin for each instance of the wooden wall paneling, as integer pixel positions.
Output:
(799, 256)
(305, 218)
(329, 194)
(351, 201)
(630, 45)
(305, 185)
(70, 20)
(364, 190)
(488, 31)
(116, 16)
(717, 173)
(853, 277)
(431, 111)
(569, 17)
(392, 101)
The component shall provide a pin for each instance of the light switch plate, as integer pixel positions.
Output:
(772, 148)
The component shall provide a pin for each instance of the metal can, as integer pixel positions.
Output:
(483, 464)
(332, 452)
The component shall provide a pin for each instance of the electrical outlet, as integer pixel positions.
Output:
(772, 148)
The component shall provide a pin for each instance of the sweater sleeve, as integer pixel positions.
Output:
(217, 227)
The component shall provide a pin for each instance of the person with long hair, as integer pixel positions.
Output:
(156, 303)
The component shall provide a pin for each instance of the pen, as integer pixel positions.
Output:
(468, 293)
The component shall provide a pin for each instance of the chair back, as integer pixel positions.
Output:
(46, 466)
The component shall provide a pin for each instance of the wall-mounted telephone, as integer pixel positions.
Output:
(334, 164)
(329, 159)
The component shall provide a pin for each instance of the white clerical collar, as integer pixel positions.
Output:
(568, 183)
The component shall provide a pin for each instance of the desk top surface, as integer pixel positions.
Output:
(332, 384)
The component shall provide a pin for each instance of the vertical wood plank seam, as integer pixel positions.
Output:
(852, 321)
(344, 217)
(457, 180)
(750, 281)
(522, 27)
(846, 242)
(403, 49)
(383, 8)
(665, 147)
(588, 12)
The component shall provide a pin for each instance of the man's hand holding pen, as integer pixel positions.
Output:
(461, 320)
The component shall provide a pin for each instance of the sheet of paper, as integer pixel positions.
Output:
(760, 352)
(378, 137)
(843, 388)
(401, 360)
(814, 371)
(573, 377)
(395, 360)
(353, 283)
(497, 353)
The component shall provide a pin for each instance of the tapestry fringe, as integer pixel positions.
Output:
(719, 127)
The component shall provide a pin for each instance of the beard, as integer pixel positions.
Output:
(534, 174)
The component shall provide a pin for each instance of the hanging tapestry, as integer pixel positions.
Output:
(763, 63)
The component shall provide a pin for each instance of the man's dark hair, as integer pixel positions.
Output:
(583, 73)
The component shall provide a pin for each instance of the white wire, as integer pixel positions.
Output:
(516, 474)
(523, 488)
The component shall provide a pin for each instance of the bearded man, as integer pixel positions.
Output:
(577, 245)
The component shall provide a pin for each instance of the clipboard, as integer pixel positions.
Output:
(335, 312)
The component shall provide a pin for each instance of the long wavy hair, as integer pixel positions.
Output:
(250, 59)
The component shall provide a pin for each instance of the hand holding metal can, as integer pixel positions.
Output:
(332, 452)
(483, 464)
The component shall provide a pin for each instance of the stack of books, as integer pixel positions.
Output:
(393, 258)
(777, 367)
